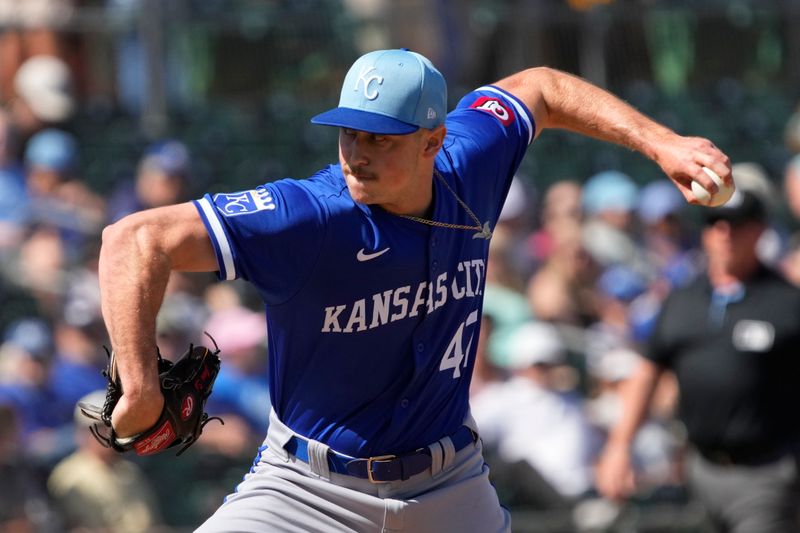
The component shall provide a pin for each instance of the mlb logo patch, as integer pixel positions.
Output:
(246, 202)
(496, 107)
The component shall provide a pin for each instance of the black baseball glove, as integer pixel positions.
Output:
(185, 384)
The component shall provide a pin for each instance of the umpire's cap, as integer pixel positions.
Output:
(392, 92)
(744, 206)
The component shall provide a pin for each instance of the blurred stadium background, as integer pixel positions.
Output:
(237, 80)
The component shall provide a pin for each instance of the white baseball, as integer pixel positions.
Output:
(713, 200)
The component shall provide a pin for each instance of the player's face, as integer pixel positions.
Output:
(393, 171)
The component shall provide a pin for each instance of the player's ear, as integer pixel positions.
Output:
(434, 141)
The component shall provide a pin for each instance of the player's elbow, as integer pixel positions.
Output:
(129, 234)
(532, 80)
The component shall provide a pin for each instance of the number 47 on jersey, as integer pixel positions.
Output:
(455, 353)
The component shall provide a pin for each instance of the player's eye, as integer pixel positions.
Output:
(349, 132)
(379, 138)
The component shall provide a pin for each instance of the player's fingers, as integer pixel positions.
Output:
(707, 154)
(698, 174)
(130, 419)
(689, 173)
(717, 162)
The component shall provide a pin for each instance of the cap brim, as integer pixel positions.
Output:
(356, 119)
(713, 217)
(749, 209)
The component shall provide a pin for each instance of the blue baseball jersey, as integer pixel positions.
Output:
(373, 318)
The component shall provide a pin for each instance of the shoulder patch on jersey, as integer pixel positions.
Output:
(245, 202)
(496, 107)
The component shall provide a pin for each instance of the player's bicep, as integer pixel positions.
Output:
(191, 250)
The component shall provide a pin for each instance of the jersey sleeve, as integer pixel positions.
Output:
(270, 236)
(495, 119)
(488, 134)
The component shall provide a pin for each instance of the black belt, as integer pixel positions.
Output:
(745, 457)
(382, 468)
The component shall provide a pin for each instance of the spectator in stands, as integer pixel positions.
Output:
(24, 506)
(531, 418)
(731, 338)
(609, 199)
(45, 91)
(562, 289)
(13, 198)
(58, 197)
(504, 300)
(182, 316)
(160, 180)
(25, 358)
(40, 268)
(487, 371)
(671, 255)
(655, 450)
(241, 391)
(617, 288)
(97, 489)
(669, 246)
(560, 212)
(30, 28)
(517, 220)
(77, 365)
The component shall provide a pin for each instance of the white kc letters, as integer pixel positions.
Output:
(362, 78)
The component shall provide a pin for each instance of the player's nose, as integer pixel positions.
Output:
(358, 151)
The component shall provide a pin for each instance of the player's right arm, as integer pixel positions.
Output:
(136, 258)
(614, 475)
(561, 100)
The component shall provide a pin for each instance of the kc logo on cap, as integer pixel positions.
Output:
(366, 81)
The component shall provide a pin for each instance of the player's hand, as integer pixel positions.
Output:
(614, 476)
(682, 159)
(131, 417)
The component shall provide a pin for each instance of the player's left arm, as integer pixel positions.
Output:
(560, 100)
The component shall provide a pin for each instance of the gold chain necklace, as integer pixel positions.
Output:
(483, 231)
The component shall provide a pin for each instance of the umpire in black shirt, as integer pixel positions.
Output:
(732, 338)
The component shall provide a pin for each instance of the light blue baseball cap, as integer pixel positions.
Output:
(392, 92)
(53, 149)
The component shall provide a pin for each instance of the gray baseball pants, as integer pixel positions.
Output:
(283, 494)
(748, 499)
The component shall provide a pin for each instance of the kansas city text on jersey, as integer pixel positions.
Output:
(407, 301)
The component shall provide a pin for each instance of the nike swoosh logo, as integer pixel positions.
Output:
(363, 256)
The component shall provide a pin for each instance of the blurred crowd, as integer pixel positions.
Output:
(578, 272)
(55, 475)
(575, 284)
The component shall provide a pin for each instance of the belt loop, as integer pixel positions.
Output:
(437, 458)
(318, 459)
(278, 434)
(449, 452)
